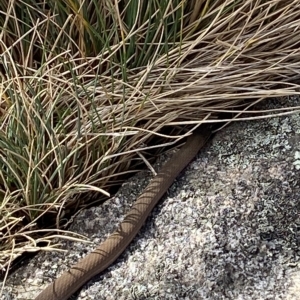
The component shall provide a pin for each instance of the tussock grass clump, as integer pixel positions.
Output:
(86, 84)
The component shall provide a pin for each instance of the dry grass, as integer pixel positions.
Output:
(84, 88)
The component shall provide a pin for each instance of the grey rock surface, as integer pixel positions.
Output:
(229, 227)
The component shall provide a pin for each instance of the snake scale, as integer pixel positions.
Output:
(108, 251)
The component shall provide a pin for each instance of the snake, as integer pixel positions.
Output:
(108, 251)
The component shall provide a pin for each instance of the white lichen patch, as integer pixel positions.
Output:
(296, 162)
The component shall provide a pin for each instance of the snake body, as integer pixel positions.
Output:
(108, 251)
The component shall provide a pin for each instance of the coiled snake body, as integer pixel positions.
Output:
(108, 251)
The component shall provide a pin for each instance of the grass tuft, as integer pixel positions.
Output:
(85, 86)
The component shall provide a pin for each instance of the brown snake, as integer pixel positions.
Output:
(108, 251)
